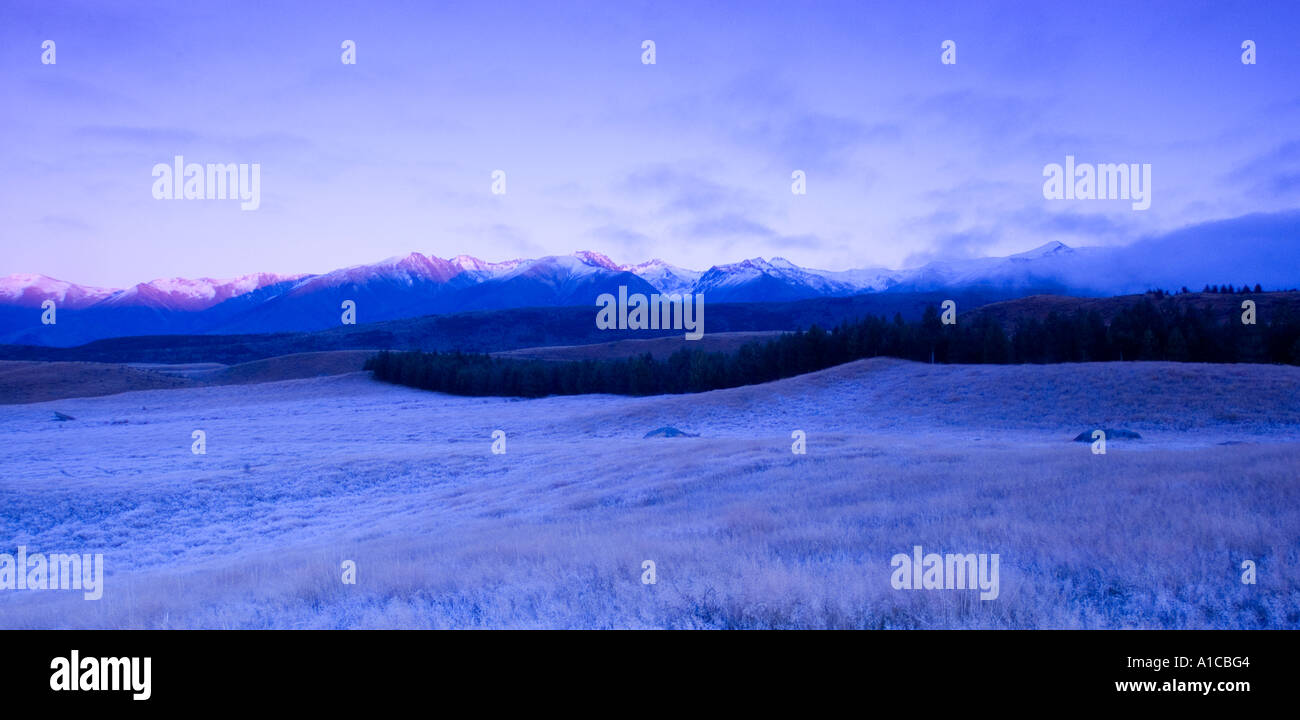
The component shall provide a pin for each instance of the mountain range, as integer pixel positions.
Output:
(416, 285)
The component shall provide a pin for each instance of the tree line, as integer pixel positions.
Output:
(1145, 330)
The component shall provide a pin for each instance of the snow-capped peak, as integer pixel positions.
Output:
(1054, 247)
(594, 258)
(405, 269)
(31, 289)
(754, 279)
(668, 279)
(473, 264)
(191, 295)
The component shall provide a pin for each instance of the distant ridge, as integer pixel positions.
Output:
(415, 285)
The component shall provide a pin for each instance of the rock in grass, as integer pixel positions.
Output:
(669, 431)
(1111, 434)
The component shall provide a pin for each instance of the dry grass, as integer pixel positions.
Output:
(301, 475)
(30, 382)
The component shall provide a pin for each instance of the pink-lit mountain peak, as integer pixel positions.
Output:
(195, 294)
(592, 257)
(472, 264)
(31, 289)
(407, 269)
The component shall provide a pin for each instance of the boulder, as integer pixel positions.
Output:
(669, 431)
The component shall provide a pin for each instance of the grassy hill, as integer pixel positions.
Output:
(302, 474)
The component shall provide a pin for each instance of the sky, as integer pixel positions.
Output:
(689, 159)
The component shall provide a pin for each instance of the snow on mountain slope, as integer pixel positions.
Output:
(185, 295)
(554, 280)
(416, 284)
(484, 269)
(1050, 265)
(752, 280)
(591, 257)
(758, 280)
(733, 275)
(408, 269)
(1053, 248)
(668, 279)
(558, 269)
(864, 280)
(30, 290)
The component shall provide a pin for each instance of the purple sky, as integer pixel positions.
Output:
(689, 159)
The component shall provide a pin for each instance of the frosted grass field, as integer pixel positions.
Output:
(303, 474)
